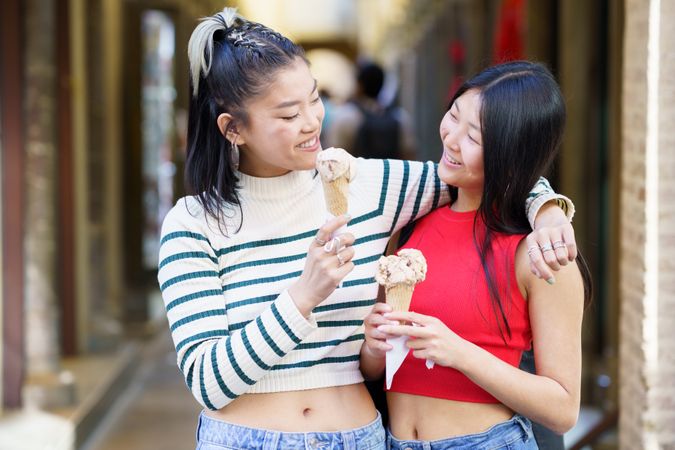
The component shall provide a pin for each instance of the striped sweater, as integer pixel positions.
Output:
(235, 328)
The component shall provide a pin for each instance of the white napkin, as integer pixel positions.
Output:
(395, 357)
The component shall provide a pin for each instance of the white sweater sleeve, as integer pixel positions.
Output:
(412, 190)
(541, 193)
(218, 364)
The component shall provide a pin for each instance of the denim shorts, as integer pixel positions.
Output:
(514, 434)
(215, 434)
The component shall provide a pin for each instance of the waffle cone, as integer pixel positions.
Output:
(399, 296)
(336, 192)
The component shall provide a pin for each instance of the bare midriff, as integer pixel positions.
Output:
(329, 409)
(414, 417)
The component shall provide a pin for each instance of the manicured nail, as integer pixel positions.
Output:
(550, 280)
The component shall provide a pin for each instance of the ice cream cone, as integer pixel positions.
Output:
(336, 194)
(399, 274)
(399, 296)
(336, 168)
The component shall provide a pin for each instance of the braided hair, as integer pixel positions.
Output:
(231, 61)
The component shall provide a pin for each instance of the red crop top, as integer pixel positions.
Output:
(456, 292)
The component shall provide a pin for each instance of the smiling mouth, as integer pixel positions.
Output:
(310, 143)
(450, 159)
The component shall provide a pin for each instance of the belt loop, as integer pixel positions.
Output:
(349, 440)
(271, 440)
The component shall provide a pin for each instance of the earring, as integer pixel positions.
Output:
(234, 155)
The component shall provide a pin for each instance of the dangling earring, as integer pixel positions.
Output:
(234, 156)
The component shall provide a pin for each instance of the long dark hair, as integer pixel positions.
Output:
(231, 61)
(522, 119)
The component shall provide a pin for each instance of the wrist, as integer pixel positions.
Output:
(467, 356)
(369, 352)
(550, 214)
(302, 301)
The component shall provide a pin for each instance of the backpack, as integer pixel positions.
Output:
(378, 135)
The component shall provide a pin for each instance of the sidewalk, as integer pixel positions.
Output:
(156, 410)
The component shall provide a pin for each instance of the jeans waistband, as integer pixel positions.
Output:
(518, 428)
(223, 433)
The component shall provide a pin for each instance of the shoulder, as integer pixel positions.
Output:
(188, 216)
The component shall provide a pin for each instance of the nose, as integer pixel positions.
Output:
(314, 119)
(312, 123)
(450, 139)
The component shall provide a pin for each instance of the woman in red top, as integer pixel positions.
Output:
(481, 306)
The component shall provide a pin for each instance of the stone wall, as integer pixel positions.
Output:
(647, 372)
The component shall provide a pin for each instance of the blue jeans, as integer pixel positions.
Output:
(514, 434)
(215, 434)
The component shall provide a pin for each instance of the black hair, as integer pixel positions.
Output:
(370, 77)
(522, 118)
(232, 60)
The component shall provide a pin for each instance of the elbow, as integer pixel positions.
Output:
(564, 421)
(208, 393)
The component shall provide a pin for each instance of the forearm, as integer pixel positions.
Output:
(372, 365)
(540, 398)
(221, 364)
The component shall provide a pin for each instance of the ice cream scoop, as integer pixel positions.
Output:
(399, 274)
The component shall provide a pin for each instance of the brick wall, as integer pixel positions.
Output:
(647, 351)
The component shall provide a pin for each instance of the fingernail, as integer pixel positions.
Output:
(550, 280)
(348, 217)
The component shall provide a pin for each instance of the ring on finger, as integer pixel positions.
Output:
(559, 244)
(333, 244)
(546, 248)
(341, 262)
(532, 249)
(319, 242)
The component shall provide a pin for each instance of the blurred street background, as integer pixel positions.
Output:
(93, 111)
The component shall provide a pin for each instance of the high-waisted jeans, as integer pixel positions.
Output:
(213, 434)
(514, 434)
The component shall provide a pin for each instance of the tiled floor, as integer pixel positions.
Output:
(155, 412)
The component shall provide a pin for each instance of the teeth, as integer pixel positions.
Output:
(453, 160)
(308, 144)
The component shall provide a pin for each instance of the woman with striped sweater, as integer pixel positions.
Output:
(267, 342)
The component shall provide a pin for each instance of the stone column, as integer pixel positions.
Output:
(647, 290)
(45, 386)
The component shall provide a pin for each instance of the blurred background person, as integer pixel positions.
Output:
(368, 127)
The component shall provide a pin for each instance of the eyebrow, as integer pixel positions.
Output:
(294, 102)
(471, 124)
